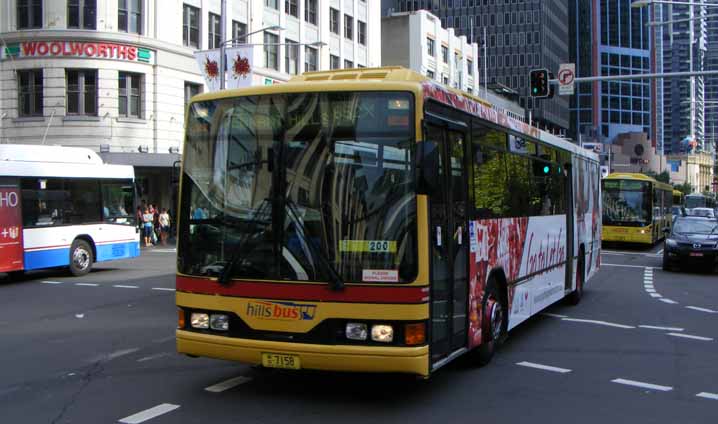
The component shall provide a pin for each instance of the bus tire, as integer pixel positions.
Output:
(574, 298)
(493, 322)
(80, 258)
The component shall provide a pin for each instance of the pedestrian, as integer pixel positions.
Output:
(156, 225)
(138, 218)
(147, 222)
(164, 226)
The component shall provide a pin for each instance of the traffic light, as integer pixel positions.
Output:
(539, 83)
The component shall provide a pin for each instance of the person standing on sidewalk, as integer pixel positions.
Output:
(147, 219)
(164, 226)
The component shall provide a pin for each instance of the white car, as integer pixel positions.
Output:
(702, 212)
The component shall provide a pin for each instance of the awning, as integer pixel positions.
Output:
(156, 160)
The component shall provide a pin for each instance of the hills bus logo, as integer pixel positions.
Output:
(282, 311)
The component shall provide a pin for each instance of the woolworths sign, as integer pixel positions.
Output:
(77, 49)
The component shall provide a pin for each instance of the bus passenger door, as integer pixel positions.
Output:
(449, 243)
(571, 209)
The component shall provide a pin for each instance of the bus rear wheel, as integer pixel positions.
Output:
(80, 258)
(493, 322)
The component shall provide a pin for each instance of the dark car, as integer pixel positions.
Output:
(692, 240)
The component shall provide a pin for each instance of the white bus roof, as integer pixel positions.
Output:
(24, 160)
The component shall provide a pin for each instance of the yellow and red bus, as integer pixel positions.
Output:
(373, 220)
(636, 208)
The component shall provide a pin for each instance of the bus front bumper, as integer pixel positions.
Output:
(627, 234)
(409, 360)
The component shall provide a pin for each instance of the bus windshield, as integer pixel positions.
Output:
(626, 202)
(300, 187)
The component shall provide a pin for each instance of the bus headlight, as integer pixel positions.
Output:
(356, 331)
(199, 320)
(382, 333)
(219, 322)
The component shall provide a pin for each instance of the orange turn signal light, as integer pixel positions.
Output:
(180, 318)
(415, 334)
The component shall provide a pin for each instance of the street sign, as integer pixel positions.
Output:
(566, 79)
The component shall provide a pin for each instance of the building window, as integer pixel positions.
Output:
(334, 20)
(190, 26)
(291, 7)
(348, 64)
(130, 95)
(348, 27)
(81, 91)
(361, 32)
(310, 59)
(430, 47)
(29, 84)
(239, 30)
(291, 57)
(274, 4)
(82, 14)
(215, 33)
(29, 14)
(129, 16)
(469, 66)
(190, 90)
(271, 53)
(333, 62)
(444, 54)
(430, 73)
(310, 11)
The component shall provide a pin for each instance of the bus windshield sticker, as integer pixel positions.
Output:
(371, 246)
(380, 275)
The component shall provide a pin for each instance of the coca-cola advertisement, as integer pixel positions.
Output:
(11, 250)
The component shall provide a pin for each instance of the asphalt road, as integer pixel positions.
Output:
(641, 347)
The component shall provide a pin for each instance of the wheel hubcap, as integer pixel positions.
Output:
(81, 258)
(497, 316)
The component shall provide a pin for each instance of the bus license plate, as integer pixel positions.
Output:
(279, 360)
(696, 254)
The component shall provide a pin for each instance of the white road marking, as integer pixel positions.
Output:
(659, 253)
(164, 339)
(51, 282)
(654, 327)
(228, 384)
(156, 356)
(669, 301)
(592, 321)
(621, 265)
(707, 395)
(148, 414)
(688, 336)
(543, 367)
(650, 290)
(620, 253)
(696, 308)
(122, 286)
(163, 250)
(163, 288)
(655, 295)
(87, 284)
(553, 315)
(122, 352)
(642, 385)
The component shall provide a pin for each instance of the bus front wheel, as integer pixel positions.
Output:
(80, 258)
(493, 322)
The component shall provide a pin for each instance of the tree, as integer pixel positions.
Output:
(663, 177)
(685, 188)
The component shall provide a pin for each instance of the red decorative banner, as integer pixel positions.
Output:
(11, 247)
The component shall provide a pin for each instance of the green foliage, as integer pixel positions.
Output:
(663, 177)
(685, 188)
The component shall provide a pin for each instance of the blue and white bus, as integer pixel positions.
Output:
(63, 207)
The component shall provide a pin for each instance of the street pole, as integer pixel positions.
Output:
(222, 38)
(485, 71)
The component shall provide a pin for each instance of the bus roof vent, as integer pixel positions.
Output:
(373, 75)
(345, 76)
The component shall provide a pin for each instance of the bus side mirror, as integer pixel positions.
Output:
(428, 159)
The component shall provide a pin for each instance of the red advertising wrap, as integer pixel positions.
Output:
(11, 247)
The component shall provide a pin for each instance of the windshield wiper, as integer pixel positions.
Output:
(238, 253)
(336, 280)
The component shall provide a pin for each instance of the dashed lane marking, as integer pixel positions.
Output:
(163, 289)
(51, 282)
(689, 336)
(227, 384)
(148, 414)
(597, 322)
(543, 367)
(642, 385)
(696, 308)
(669, 301)
(622, 265)
(546, 314)
(87, 284)
(151, 357)
(656, 295)
(122, 286)
(655, 327)
(707, 395)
